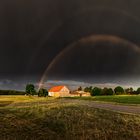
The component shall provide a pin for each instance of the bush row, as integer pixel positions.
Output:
(11, 92)
(96, 91)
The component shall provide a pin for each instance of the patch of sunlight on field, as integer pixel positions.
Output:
(23, 98)
(62, 119)
(23, 101)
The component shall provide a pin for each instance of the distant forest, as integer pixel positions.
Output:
(11, 92)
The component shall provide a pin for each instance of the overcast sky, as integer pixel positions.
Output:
(35, 35)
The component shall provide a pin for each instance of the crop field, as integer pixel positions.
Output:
(33, 118)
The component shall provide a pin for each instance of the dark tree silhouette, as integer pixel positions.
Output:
(30, 89)
(42, 92)
(119, 90)
(96, 91)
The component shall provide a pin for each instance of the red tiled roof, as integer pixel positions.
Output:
(56, 89)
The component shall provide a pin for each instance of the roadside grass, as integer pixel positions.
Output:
(124, 99)
(20, 98)
(49, 119)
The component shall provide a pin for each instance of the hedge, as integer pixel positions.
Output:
(11, 92)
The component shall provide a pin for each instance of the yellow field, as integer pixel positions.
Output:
(33, 118)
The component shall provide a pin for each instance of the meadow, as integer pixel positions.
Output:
(123, 99)
(33, 118)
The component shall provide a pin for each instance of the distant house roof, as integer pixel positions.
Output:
(56, 88)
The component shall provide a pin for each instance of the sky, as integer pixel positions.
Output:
(96, 41)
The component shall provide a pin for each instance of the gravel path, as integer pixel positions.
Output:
(111, 106)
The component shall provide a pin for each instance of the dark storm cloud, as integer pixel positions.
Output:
(97, 55)
(33, 32)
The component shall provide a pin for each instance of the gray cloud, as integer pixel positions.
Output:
(33, 33)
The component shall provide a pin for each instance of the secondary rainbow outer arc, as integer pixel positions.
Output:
(82, 32)
(93, 39)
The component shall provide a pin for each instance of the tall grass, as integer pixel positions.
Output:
(48, 119)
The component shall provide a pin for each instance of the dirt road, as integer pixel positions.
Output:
(110, 106)
(133, 109)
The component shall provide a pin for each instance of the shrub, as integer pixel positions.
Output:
(42, 92)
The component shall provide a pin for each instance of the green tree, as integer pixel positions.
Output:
(119, 90)
(80, 88)
(88, 89)
(138, 90)
(110, 91)
(107, 91)
(30, 89)
(104, 91)
(129, 90)
(96, 91)
(42, 92)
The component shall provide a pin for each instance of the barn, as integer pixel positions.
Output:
(59, 91)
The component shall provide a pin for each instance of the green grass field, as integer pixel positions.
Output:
(124, 99)
(33, 118)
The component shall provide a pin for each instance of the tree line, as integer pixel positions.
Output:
(96, 91)
(30, 90)
(11, 92)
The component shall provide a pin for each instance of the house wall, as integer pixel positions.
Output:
(51, 93)
(75, 94)
(65, 92)
(54, 94)
(65, 89)
(86, 95)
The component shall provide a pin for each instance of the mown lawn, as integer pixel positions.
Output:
(126, 99)
(33, 118)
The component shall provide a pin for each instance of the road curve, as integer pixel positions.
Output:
(111, 106)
